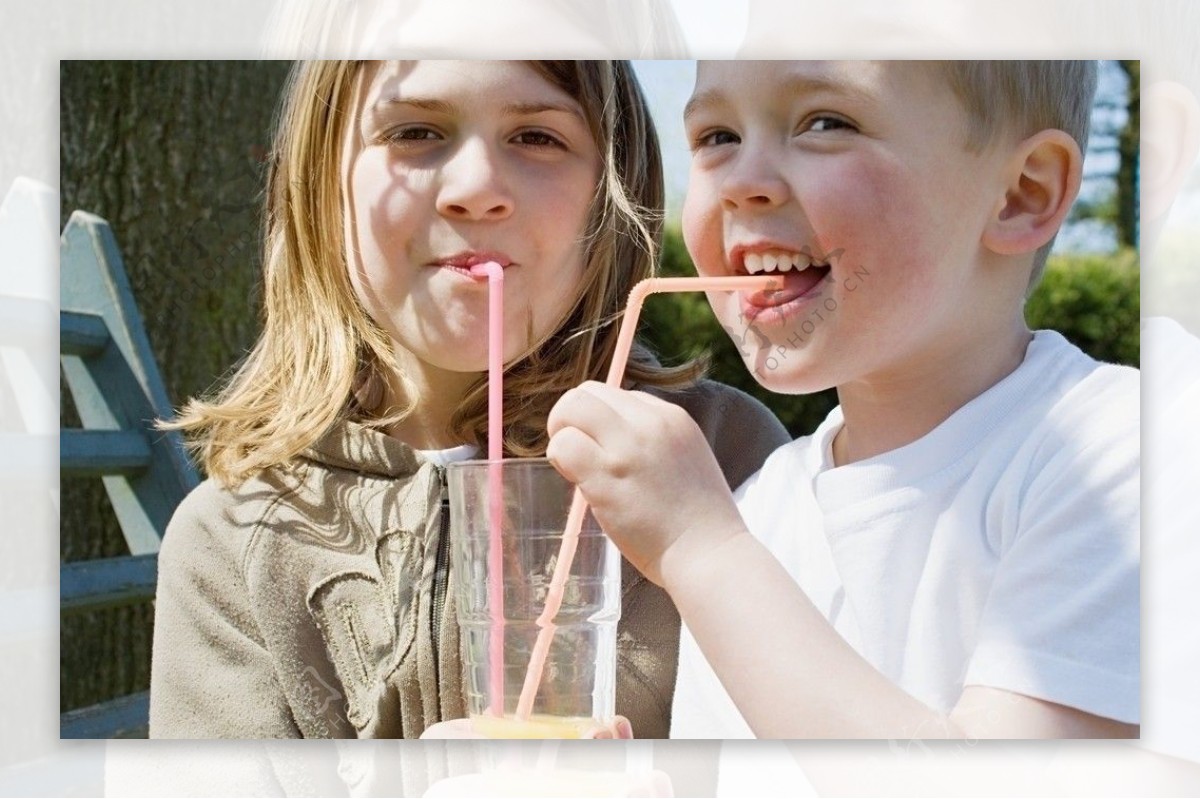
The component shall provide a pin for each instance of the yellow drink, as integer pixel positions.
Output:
(538, 726)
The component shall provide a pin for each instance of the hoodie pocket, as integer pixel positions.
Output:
(353, 614)
(399, 557)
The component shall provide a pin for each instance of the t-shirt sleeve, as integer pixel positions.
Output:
(1061, 622)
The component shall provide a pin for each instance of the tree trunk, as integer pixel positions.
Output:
(1128, 145)
(171, 154)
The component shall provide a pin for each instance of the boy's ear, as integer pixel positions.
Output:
(1042, 178)
(1170, 142)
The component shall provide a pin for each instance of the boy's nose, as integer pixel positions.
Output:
(472, 186)
(753, 182)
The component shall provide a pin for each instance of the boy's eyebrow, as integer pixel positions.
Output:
(792, 85)
(699, 101)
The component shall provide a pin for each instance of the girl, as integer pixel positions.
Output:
(304, 588)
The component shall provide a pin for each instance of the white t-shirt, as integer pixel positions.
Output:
(1171, 699)
(1000, 549)
(445, 457)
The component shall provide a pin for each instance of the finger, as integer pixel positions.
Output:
(587, 407)
(572, 451)
(647, 417)
(648, 399)
(619, 729)
(624, 729)
(630, 403)
(457, 728)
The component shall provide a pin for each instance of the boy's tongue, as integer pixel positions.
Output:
(795, 284)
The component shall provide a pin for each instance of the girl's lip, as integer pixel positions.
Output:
(461, 264)
(465, 271)
(468, 259)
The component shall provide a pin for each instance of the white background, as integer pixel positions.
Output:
(34, 37)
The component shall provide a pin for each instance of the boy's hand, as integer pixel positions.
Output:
(647, 472)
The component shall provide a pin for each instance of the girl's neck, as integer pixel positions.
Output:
(884, 413)
(436, 394)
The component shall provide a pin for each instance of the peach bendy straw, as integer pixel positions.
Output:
(495, 276)
(616, 371)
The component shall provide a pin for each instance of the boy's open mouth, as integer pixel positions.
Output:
(801, 277)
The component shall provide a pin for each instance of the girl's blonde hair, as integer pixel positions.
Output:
(320, 359)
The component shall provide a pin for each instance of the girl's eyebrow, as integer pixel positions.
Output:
(510, 109)
(422, 103)
(541, 106)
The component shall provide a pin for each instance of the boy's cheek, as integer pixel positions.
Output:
(727, 308)
(707, 250)
(702, 225)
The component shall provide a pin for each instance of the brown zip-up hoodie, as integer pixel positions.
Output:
(315, 600)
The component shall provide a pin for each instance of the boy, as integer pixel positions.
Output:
(954, 551)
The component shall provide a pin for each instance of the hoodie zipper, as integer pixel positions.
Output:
(441, 569)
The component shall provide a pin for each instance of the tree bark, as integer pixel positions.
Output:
(172, 154)
(1128, 146)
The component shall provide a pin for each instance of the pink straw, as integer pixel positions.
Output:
(495, 275)
(616, 371)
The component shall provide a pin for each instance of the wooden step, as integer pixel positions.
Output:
(81, 333)
(107, 582)
(124, 717)
(102, 452)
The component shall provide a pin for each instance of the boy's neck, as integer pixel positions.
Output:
(886, 412)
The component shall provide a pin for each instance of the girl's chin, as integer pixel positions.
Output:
(449, 356)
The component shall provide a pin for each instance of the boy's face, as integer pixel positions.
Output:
(862, 170)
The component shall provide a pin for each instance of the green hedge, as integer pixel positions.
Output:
(1093, 300)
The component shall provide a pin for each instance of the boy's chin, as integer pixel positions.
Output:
(774, 373)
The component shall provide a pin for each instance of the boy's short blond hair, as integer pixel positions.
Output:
(1023, 97)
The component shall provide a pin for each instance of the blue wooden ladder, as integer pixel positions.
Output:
(119, 393)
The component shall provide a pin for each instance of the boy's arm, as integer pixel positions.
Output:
(793, 676)
(654, 487)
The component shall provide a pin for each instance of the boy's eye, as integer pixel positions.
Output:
(826, 123)
(715, 138)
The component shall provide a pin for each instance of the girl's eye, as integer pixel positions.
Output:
(538, 138)
(412, 133)
(715, 138)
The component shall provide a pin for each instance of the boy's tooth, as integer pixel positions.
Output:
(785, 263)
(754, 263)
(802, 262)
(769, 262)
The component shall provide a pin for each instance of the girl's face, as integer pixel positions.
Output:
(451, 163)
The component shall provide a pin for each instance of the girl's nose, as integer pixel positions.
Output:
(754, 181)
(472, 185)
